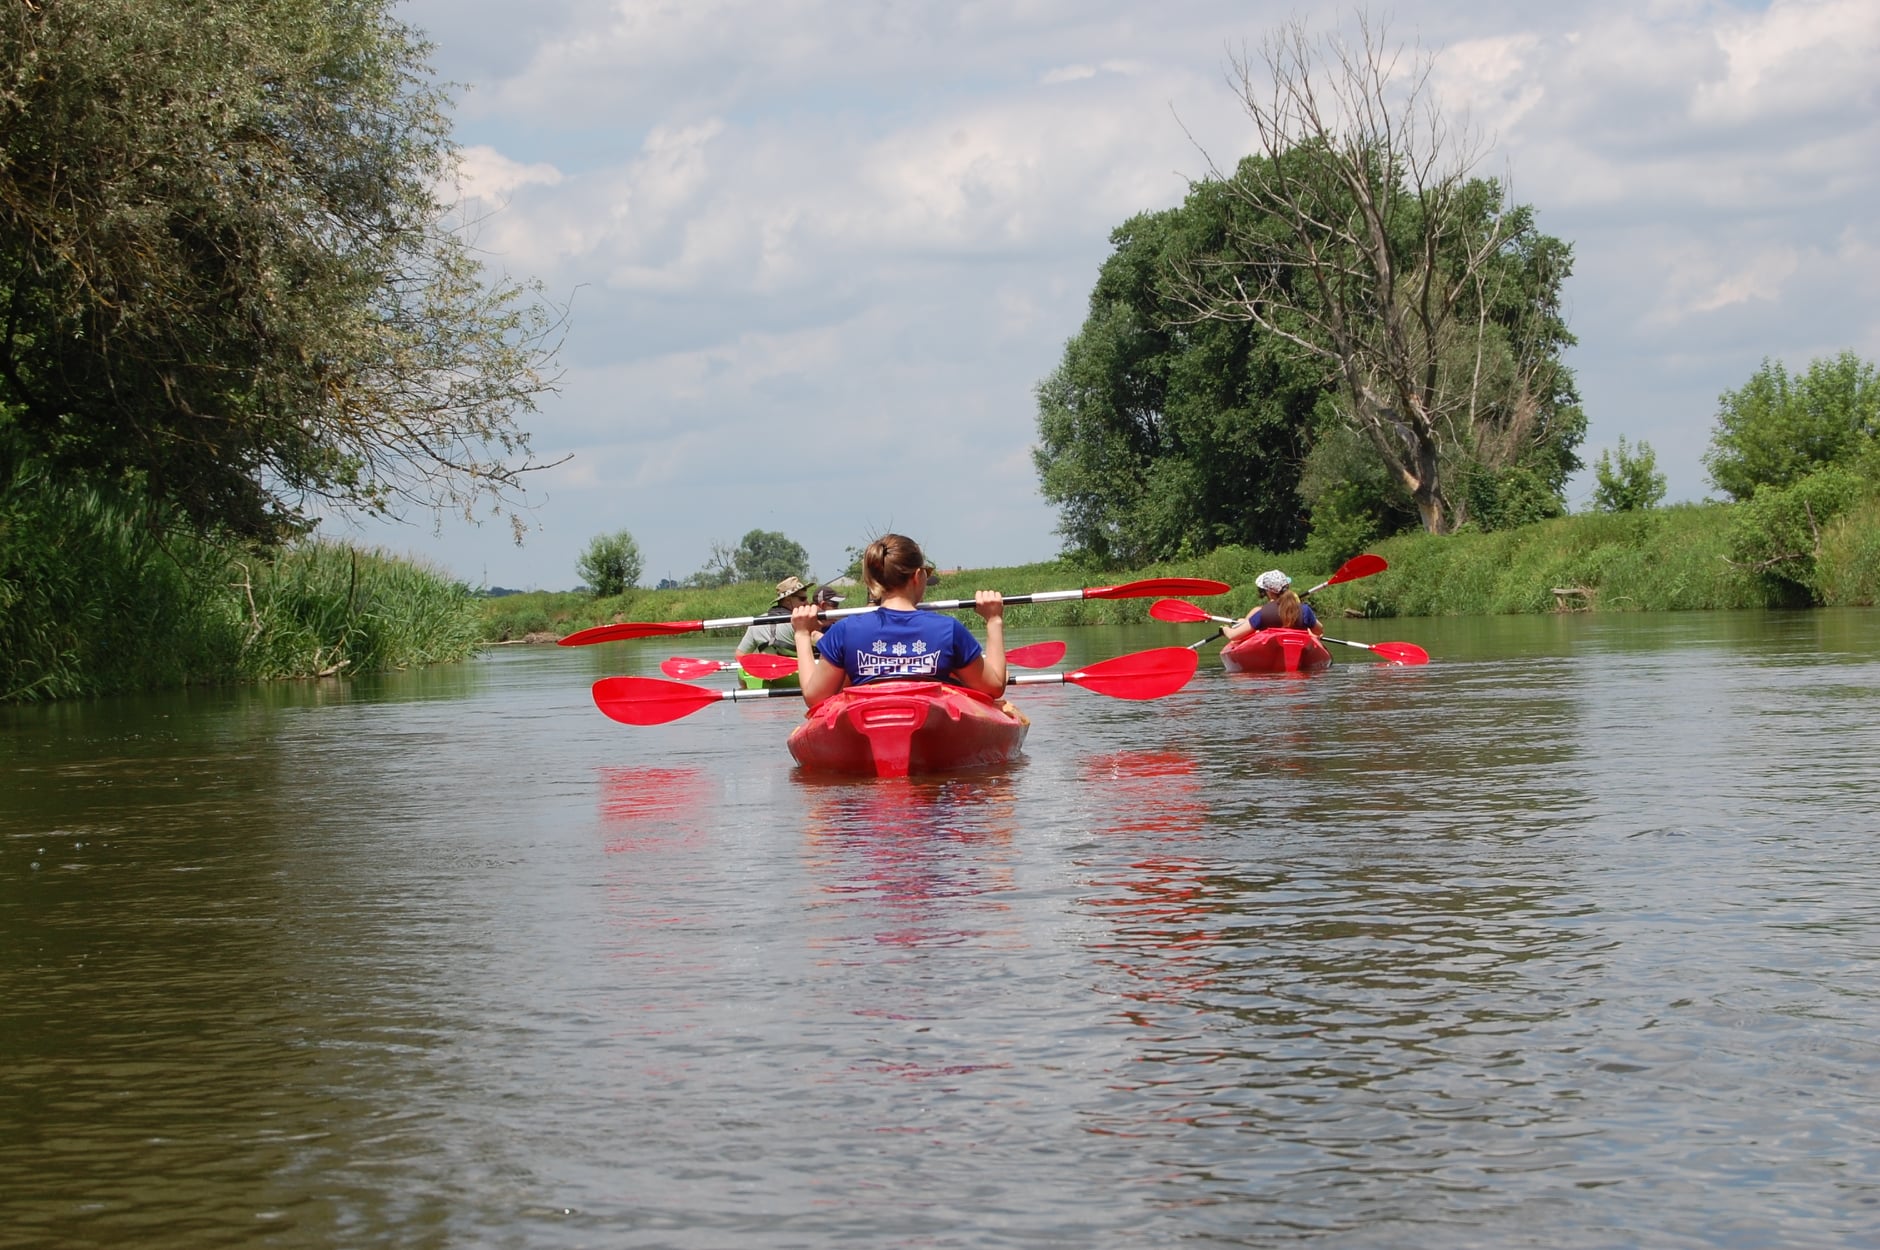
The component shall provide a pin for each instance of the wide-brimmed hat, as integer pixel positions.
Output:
(827, 596)
(1272, 579)
(790, 586)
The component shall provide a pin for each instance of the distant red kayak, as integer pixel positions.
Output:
(894, 728)
(1276, 651)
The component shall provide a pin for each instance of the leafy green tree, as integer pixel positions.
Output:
(611, 564)
(230, 284)
(1160, 435)
(760, 556)
(1628, 480)
(768, 556)
(1776, 430)
(1430, 302)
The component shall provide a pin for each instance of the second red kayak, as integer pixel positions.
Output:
(1276, 651)
(894, 728)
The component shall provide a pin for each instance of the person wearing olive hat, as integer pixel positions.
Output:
(777, 639)
(1281, 609)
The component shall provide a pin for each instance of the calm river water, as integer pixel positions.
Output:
(1569, 939)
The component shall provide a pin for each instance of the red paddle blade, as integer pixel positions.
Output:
(767, 667)
(1401, 652)
(1356, 567)
(1178, 611)
(686, 669)
(1142, 675)
(1037, 655)
(650, 701)
(629, 629)
(1158, 586)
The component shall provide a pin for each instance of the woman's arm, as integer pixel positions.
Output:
(1239, 629)
(820, 678)
(987, 673)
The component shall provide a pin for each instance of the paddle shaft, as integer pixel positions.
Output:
(936, 605)
(623, 630)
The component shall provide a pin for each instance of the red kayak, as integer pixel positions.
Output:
(1276, 651)
(893, 728)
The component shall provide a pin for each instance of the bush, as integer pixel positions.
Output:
(1777, 534)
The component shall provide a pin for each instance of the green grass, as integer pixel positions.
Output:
(1662, 560)
(94, 600)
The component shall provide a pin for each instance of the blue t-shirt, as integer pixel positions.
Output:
(893, 643)
(1307, 617)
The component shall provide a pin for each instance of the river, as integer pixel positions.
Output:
(1569, 939)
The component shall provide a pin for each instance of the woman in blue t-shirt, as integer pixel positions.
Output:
(899, 641)
(1280, 609)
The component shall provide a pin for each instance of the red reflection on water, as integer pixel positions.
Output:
(653, 808)
(913, 855)
(1148, 791)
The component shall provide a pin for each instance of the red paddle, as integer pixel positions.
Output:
(757, 664)
(1128, 590)
(650, 701)
(1187, 613)
(1350, 571)
(1037, 655)
(1139, 675)
(1395, 652)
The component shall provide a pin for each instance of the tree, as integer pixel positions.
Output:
(1432, 301)
(768, 556)
(1160, 437)
(1774, 431)
(760, 556)
(230, 287)
(611, 564)
(1628, 481)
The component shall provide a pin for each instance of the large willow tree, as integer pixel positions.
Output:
(229, 285)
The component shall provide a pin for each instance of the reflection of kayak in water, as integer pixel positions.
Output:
(1276, 651)
(893, 728)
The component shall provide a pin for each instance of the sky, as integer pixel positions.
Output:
(818, 254)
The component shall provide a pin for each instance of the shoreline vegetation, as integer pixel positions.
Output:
(92, 604)
(1662, 559)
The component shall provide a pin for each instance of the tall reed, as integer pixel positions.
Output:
(97, 596)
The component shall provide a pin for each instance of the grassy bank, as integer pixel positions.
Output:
(1663, 560)
(95, 601)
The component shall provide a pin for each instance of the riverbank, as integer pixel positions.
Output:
(1680, 558)
(93, 601)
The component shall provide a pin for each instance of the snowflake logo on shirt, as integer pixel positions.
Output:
(900, 648)
(880, 647)
(920, 646)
